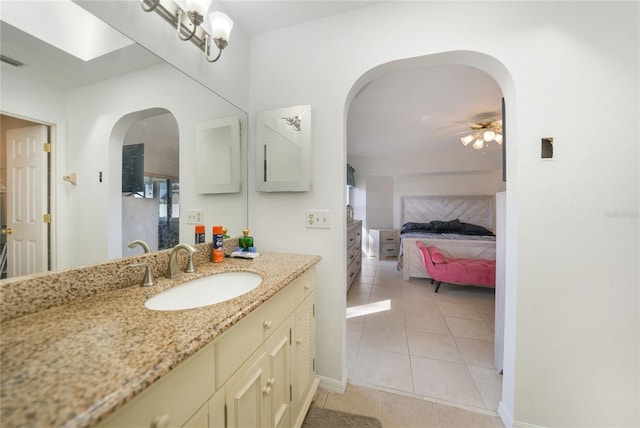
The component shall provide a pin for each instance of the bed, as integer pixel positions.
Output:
(419, 211)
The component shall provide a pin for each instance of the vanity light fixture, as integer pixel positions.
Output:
(189, 18)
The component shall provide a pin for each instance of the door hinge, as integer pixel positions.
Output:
(46, 218)
(46, 147)
(314, 310)
(225, 415)
(290, 393)
(289, 336)
(314, 364)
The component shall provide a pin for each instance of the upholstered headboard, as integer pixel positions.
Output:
(477, 209)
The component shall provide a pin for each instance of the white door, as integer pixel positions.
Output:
(27, 242)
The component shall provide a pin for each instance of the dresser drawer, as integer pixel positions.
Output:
(389, 236)
(388, 250)
(354, 237)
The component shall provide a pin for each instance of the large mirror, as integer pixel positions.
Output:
(89, 110)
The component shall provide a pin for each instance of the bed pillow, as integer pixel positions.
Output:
(474, 229)
(407, 227)
(451, 226)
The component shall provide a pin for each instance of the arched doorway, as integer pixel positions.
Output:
(150, 209)
(500, 75)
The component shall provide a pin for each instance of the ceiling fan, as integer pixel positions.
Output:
(482, 132)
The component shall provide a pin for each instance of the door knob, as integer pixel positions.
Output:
(7, 231)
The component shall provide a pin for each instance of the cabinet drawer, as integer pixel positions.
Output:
(353, 269)
(168, 399)
(388, 250)
(232, 350)
(389, 236)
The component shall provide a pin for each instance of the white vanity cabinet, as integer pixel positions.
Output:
(258, 373)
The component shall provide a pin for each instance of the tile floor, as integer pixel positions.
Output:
(404, 339)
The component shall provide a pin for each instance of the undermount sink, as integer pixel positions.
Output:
(205, 291)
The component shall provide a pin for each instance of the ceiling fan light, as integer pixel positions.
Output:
(478, 144)
(498, 138)
(488, 135)
(466, 140)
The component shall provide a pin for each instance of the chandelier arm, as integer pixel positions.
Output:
(179, 28)
(207, 50)
(152, 4)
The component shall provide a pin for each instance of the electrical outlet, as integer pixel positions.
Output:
(195, 216)
(318, 219)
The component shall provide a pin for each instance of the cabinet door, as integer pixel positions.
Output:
(304, 353)
(278, 392)
(246, 404)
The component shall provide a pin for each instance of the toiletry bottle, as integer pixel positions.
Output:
(218, 250)
(200, 234)
(245, 240)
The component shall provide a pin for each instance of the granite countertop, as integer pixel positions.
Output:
(73, 364)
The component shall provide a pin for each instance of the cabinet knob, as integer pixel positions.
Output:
(160, 421)
(267, 324)
(266, 390)
(271, 381)
(307, 286)
(299, 341)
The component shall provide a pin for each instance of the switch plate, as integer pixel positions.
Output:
(195, 216)
(318, 219)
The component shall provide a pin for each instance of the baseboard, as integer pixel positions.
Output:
(333, 385)
(505, 415)
(507, 419)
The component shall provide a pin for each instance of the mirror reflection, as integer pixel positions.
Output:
(87, 111)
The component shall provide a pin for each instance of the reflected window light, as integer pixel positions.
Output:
(369, 308)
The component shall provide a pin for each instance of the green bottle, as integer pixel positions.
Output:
(245, 241)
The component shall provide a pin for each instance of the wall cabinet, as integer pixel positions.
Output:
(259, 373)
(354, 250)
(384, 242)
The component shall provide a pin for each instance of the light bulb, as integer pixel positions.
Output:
(221, 25)
(488, 135)
(478, 144)
(466, 140)
(498, 138)
(200, 6)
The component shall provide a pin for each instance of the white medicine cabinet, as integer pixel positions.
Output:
(283, 150)
(218, 167)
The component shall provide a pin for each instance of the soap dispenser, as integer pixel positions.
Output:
(245, 241)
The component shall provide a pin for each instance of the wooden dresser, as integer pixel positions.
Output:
(354, 250)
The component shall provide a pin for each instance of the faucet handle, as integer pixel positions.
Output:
(191, 266)
(148, 274)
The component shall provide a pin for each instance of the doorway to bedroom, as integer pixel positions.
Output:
(405, 128)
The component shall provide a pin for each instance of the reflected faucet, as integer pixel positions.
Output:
(143, 244)
(173, 270)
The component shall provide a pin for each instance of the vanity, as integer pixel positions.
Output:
(100, 358)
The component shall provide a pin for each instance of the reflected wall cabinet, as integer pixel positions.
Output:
(218, 164)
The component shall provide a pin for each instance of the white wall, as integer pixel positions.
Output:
(575, 360)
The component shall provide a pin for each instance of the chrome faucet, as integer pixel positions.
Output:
(143, 244)
(173, 270)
